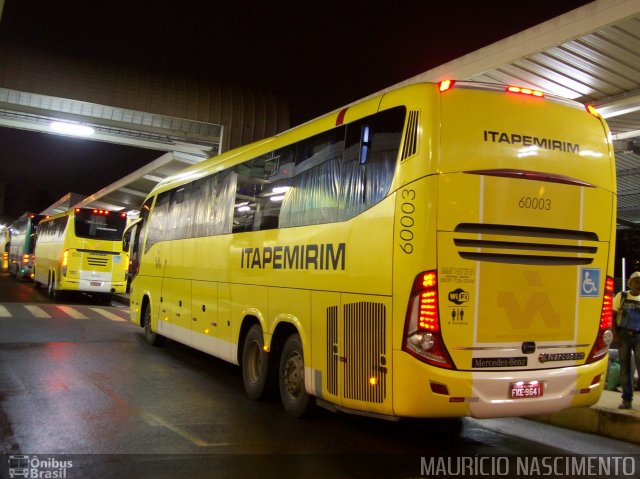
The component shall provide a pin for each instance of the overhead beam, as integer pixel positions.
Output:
(626, 135)
(619, 105)
(145, 172)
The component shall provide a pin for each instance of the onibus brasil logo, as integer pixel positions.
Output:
(38, 468)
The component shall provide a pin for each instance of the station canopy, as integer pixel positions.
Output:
(590, 54)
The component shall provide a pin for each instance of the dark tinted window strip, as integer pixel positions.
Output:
(531, 231)
(525, 259)
(525, 246)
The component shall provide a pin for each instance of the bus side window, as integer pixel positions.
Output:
(370, 160)
(211, 204)
(314, 187)
(157, 231)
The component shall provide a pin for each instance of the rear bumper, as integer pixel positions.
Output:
(486, 394)
(93, 286)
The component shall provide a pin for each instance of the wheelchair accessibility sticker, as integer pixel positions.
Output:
(590, 282)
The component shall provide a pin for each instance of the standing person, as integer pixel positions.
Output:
(626, 321)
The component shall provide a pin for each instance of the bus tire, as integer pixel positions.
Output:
(255, 364)
(150, 337)
(105, 298)
(50, 286)
(294, 396)
(54, 292)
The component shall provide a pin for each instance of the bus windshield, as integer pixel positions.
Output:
(99, 224)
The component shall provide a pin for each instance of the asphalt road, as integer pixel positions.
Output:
(79, 386)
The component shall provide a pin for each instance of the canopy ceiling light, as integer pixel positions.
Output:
(74, 129)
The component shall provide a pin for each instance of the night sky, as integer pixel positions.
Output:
(316, 55)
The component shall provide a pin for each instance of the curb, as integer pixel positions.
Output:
(603, 421)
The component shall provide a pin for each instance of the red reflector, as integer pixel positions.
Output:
(341, 115)
(445, 85)
(439, 389)
(456, 399)
(525, 91)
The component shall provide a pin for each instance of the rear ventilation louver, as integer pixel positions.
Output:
(97, 261)
(365, 372)
(410, 146)
(525, 245)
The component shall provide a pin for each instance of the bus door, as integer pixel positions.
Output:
(175, 300)
(204, 304)
(130, 245)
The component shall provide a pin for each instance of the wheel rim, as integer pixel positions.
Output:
(254, 361)
(293, 374)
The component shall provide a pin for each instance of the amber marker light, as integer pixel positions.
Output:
(592, 109)
(525, 91)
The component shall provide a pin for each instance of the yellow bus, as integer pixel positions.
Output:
(81, 250)
(438, 250)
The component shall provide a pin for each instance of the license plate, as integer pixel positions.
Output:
(525, 390)
(95, 283)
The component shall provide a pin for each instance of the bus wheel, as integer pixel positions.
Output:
(50, 285)
(255, 364)
(293, 394)
(54, 292)
(154, 339)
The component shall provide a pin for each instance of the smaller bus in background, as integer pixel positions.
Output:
(4, 249)
(22, 241)
(81, 250)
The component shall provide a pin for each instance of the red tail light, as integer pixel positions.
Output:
(605, 336)
(422, 336)
(445, 85)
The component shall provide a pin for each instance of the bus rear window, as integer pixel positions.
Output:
(103, 226)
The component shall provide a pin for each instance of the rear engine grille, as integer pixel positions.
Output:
(332, 350)
(525, 244)
(365, 352)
